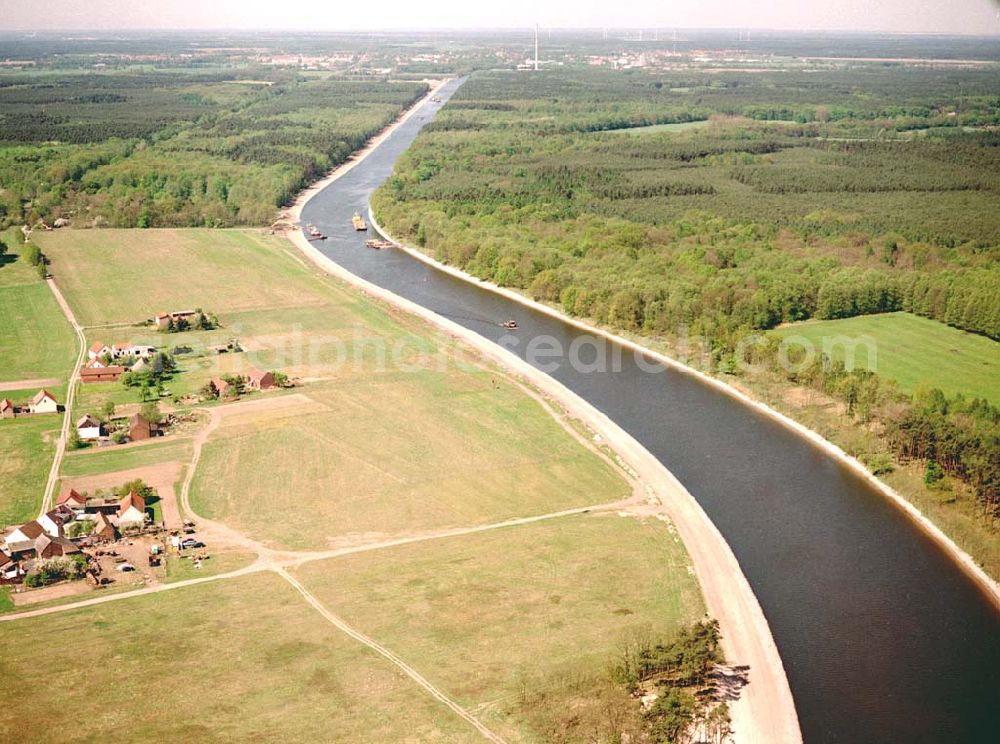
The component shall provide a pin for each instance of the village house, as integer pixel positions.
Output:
(260, 380)
(101, 506)
(139, 351)
(88, 428)
(140, 364)
(220, 386)
(43, 402)
(131, 509)
(47, 546)
(6, 409)
(139, 428)
(103, 530)
(98, 350)
(100, 373)
(26, 533)
(72, 500)
(10, 570)
(54, 522)
(163, 319)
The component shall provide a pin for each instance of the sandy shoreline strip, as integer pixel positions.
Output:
(765, 711)
(989, 586)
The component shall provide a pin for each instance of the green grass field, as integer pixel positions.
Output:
(142, 272)
(112, 459)
(36, 340)
(27, 446)
(238, 660)
(914, 351)
(494, 618)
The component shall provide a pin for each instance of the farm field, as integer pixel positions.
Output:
(95, 461)
(915, 351)
(240, 659)
(36, 340)
(27, 446)
(143, 272)
(382, 455)
(529, 613)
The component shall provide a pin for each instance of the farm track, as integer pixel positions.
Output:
(50, 485)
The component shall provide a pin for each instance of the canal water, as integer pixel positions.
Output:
(883, 638)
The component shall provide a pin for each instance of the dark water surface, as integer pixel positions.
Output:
(883, 638)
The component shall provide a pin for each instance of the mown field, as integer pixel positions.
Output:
(397, 453)
(520, 623)
(36, 340)
(27, 446)
(913, 351)
(237, 660)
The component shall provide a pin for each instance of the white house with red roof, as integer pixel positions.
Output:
(43, 402)
(131, 509)
(98, 350)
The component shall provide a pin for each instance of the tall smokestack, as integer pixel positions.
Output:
(536, 47)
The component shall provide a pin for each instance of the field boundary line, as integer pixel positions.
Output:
(255, 567)
(50, 484)
(383, 651)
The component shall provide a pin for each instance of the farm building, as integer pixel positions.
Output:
(139, 428)
(55, 521)
(6, 409)
(221, 386)
(101, 374)
(260, 380)
(48, 546)
(163, 320)
(131, 509)
(43, 402)
(88, 427)
(103, 530)
(98, 350)
(72, 500)
(27, 532)
(139, 351)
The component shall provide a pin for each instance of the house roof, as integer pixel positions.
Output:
(31, 529)
(61, 514)
(137, 418)
(132, 499)
(100, 371)
(4, 559)
(97, 347)
(219, 384)
(256, 375)
(65, 545)
(71, 495)
(87, 421)
(5, 404)
(101, 522)
(42, 395)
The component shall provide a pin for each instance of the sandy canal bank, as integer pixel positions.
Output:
(766, 711)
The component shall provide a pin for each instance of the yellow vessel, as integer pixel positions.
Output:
(359, 224)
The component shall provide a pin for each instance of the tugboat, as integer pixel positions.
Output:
(510, 324)
(359, 224)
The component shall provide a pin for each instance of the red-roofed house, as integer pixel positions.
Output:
(131, 509)
(6, 409)
(54, 522)
(220, 385)
(72, 500)
(97, 350)
(260, 380)
(103, 530)
(43, 402)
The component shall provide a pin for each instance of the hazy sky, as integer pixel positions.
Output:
(903, 16)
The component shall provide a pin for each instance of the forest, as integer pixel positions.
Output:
(771, 198)
(145, 149)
